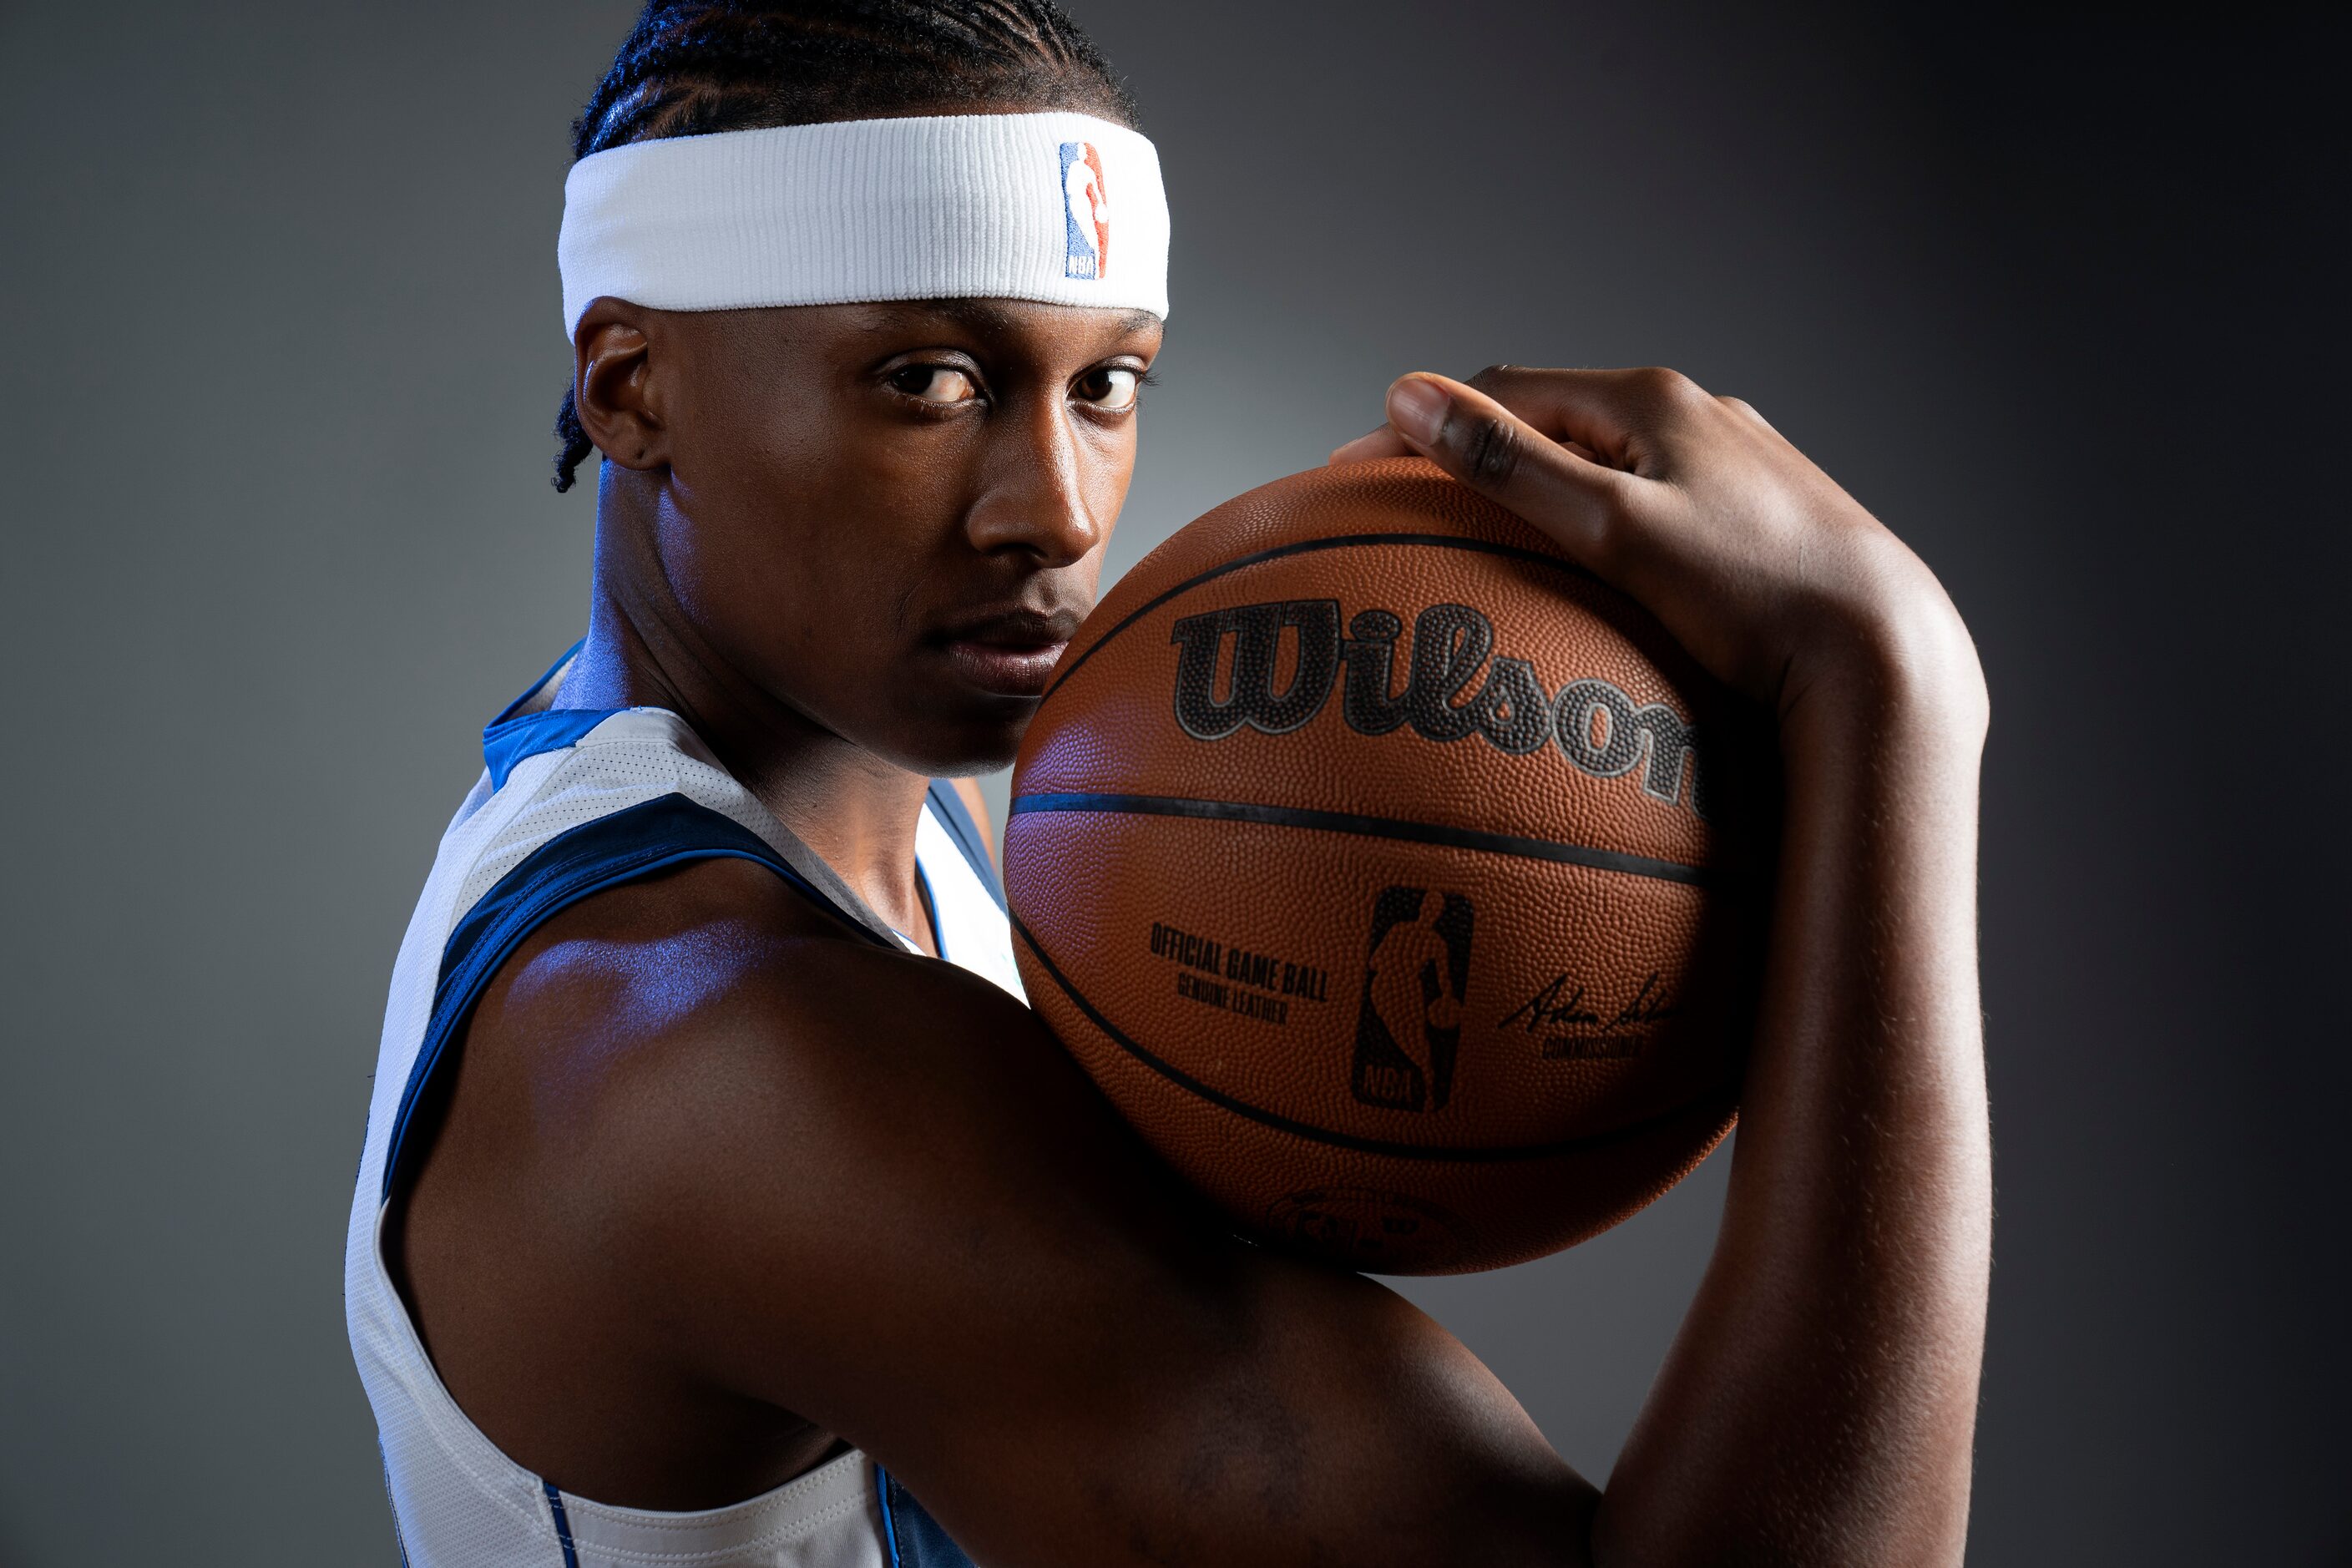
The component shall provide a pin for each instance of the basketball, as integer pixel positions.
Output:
(1383, 869)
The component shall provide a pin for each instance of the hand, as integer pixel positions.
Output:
(1778, 583)
(1863, 1167)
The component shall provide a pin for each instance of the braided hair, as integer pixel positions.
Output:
(689, 68)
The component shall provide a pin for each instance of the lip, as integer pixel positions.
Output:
(1009, 652)
(1004, 670)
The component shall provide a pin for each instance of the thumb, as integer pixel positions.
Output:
(1491, 450)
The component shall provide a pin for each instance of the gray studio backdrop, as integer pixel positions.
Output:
(282, 349)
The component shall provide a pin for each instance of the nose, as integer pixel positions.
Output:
(1046, 484)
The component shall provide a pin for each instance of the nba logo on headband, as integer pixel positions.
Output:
(1086, 212)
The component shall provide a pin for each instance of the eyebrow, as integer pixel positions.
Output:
(985, 315)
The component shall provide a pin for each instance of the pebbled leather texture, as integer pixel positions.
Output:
(1395, 877)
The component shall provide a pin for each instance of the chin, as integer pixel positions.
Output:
(979, 736)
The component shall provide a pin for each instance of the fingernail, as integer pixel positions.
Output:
(1417, 408)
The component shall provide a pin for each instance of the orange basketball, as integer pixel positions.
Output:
(1379, 866)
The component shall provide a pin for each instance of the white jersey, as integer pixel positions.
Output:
(572, 802)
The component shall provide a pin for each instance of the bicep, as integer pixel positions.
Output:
(893, 1206)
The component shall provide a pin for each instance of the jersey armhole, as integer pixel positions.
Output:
(656, 835)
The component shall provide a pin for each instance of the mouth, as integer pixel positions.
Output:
(1010, 653)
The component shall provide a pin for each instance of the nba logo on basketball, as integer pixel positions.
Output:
(1086, 212)
(1409, 1018)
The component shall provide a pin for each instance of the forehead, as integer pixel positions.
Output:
(1010, 322)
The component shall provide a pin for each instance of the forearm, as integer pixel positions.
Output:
(1819, 1405)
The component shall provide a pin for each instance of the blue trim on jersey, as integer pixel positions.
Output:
(956, 817)
(562, 1524)
(536, 687)
(514, 736)
(653, 837)
(913, 1536)
(506, 742)
(889, 1525)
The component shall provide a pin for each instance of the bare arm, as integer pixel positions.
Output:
(1820, 1401)
(956, 1258)
(1835, 1344)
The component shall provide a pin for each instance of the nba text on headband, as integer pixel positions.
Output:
(1059, 207)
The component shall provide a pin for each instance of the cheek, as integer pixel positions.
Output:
(734, 536)
(1108, 473)
(795, 564)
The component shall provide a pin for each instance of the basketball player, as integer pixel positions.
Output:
(708, 1216)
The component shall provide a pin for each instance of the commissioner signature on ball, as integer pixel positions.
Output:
(1548, 1008)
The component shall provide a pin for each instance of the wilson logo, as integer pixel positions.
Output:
(1455, 686)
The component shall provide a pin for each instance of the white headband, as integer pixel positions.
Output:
(1059, 207)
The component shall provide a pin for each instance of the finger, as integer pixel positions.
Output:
(1618, 415)
(1486, 447)
(1742, 407)
(1581, 410)
(1384, 442)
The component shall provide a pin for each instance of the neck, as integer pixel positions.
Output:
(857, 811)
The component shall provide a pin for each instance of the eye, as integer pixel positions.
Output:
(1110, 388)
(936, 383)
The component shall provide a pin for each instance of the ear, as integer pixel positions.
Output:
(613, 389)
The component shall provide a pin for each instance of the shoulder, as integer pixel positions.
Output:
(713, 1033)
(671, 1065)
(644, 1128)
(718, 977)
(719, 1107)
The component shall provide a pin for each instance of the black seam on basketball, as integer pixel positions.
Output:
(1461, 1154)
(1366, 827)
(1337, 541)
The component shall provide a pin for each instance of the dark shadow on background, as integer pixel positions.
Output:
(2161, 209)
